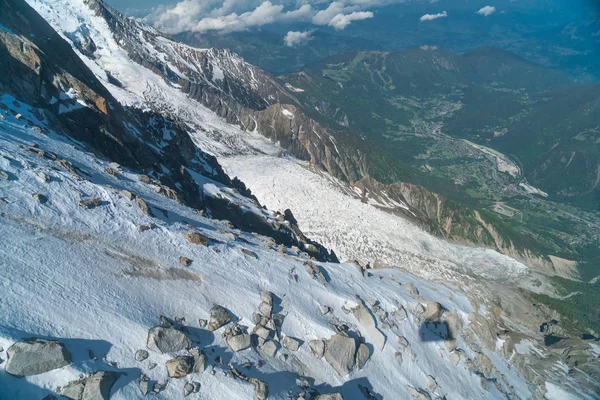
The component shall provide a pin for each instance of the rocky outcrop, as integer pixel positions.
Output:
(36, 356)
(340, 351)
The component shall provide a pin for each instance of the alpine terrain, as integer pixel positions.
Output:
(178, 223)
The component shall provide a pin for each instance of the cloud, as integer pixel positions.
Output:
(240, 15)
(431, 17)
(486, 11)
(293, 38)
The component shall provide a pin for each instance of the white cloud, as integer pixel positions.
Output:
(431, 17)
(239, 15)
(293, 38)
(486, 11)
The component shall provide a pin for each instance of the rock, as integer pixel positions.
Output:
(141, 355)
(98, 385)
(36, 356)
(91, 355)
(317, 347)
(483, 329)
(91, 203)
(196, 386)
(290, 343)
(199, 360)
(43, 176)
(239, 342)
(40, 198)
(362, 356)
(265, 309)
(262, 332)
(141, 203)
(144, 227)
(165, 322)
(196, 238)
(329, 396)
(365, 318)
(339, 353)
(431, 383)
(180, 366)
(398, 356)
(256, 318)
(186, 262)
(3, 175)
(454, 324)
(417, 394)
(455, 358)
(268, 348)
(411, 289)
(266, 297)
(144, 384)
(219, 316)
(111, 171)
(250, 253)
(433, 311)
(144, 178)
(73, 390)
(167, 340)
(261, 390)
(202, 323)
(325, 309)
(402, 342)
(151, 366)
(188, 389)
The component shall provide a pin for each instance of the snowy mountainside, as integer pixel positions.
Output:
(92, 279)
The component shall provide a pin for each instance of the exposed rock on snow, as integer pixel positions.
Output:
(339, 353)
(237, 339)
(180, 366)
(40, 198)
(36, 356)
(141, 355)
(199, 359)
(290, 343)
(329, 396)
(219, 316)
(268, 348)
(186, 262)
(167, 340)
(141, 203)
(433, 311)
(91, 203)
(364, 317)
(362, 356)
(261, 390)
(95, 387)
(196, 238)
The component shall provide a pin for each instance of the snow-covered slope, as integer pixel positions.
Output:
(91, 279)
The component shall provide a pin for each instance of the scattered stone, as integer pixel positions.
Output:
(256, 318)
(431, 383)
(145, 227)
(398, 356)
(3, 175)
(141, 203)
(202, 323)
(43, 176)
(152, 366)
(455, 358)
(196, 386)
(265, 309)
(411, 289)
(165, 322)
(36, 356)
(315, 272)
(402, 342)
(199, 360)
(325, 309)
(239, 342)
(95, 387)
(144, 179)
(196, 238)
(167, 340)
(249, 253)
(268, 348)
(362, 356)
(219, 316)
(141, 355)
(365, 318)
(180, 366)
(261, 390)
(317, 347)
(188, 389)
(144, 384)
(90, 203)
(111, 171)
(266, 297)
(417, 394)
(339, 353)
(262, 332)
(366, 392)
(180, 320)
(186, 262)
(290, 343)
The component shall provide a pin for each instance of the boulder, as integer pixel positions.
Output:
(186, 262)
(262, 332)
(411, 289)
(418, 394)
(196, 238)
(141, 355)
(219, 316)
(362, 356)
(483, 329)
(290, 343)
(261, 390)
(91, 203)
(340, 353)
(180, 366)
(402, 342)
(167, 340)
(325, 309)
(99, 385)
(431, 383)
(144, 384)
(40, 198)
(364, 317)
(265, 308)
(433, 311)
(73, 390)
(455, 358)
(36, 356)
(238, 342)
(199, 360)
(317, 347)
(454, 324)
(329, 396)
(266, 297)
(268, 348)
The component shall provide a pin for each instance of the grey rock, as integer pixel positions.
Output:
(433, 311)
(91, 203)
(268, 348)
(402, 342)
(325, 309)
(3, 175)
(266, 297)
(261, 390)
(202, 323)
(180, 366)
(219, 316)
(143, 206)
(317, 347)
(455, 358)
(431, 383)
(141, 355)
(339, 353)
(290, 343)
(43, 176)
(196, 238)
(188, 389)
(411, 289)
(365, 318)
(144, 385)
(36, 356)
(151, 366)
(329, 396)
(40, 198)
(199, 360)
(256, 318)
(398, 357)
(238, 342)
(73, 390)
(362, 356)
(262, 332)
(167, 340)
(144, 227)
(99, 384)
(265, 309)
